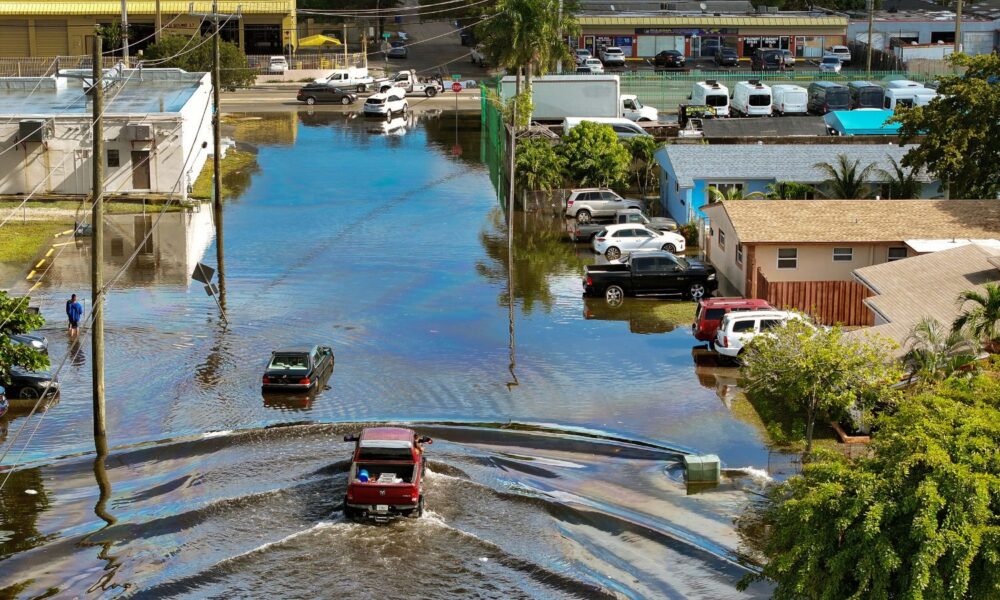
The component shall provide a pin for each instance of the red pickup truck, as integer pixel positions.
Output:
(386, 478)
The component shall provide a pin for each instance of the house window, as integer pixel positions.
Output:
(726, 189)
(788, 258)
(739, 253)
(897, 253)
(722, 239)
(114, 160)
(843, 254)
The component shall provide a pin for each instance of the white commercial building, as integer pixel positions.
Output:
(157, 132)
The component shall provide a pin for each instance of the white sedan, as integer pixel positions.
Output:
(616, 240)
(594, 64)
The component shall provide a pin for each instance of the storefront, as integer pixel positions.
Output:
(699, 35)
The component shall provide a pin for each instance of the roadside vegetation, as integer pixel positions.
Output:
(237, 168)
(194, 54)
(14, 319)
(23, 240)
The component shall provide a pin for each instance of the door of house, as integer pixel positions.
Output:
(140, 169)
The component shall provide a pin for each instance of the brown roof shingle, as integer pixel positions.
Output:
(779, 221)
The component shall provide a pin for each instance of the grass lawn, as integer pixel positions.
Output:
(22, 241)
(237, 166)
(111, 207)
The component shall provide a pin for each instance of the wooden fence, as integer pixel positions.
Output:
(827, 302)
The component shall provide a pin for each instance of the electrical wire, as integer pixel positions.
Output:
(391, 11)
(483, 20)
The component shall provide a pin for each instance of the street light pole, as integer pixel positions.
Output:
(871, 19)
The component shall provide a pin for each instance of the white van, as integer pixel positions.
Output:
(624, 128)
(739, 327)
(787, 99)
(752, 99)
(903, 83)
(907, 96)
(711, 93)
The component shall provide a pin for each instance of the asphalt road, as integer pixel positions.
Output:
(282, 99)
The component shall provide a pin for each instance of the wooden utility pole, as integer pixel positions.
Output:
(958, 27)
(97, 250)
(217, 160)
(871, 19)
(125, 32)
(345, 46)
(157, 22)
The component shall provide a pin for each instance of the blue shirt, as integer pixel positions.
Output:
(74, 310)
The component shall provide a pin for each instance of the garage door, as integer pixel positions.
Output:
(977, 42)
(878, 39)
(651, 45)
(13, 38)
(51, 38)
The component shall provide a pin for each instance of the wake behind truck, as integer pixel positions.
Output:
(555, 97)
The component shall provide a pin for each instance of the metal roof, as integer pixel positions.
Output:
(32, 8)
(696, 20)
(862, 122)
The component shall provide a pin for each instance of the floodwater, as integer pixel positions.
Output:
(555, 471)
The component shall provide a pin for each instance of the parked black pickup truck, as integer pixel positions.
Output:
(650, 274)
(584, 232)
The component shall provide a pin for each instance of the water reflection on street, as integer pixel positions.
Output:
(385, 241)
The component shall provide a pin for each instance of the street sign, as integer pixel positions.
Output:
(456, 87)
(203, 273)
(386, 35)
(456, 76)
(211, 289)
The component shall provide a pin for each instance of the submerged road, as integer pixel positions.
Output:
(282, 99)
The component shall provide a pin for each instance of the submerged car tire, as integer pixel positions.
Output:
(697, 291)
(612, 253)
(669, 248)
(583, 216)
(418, 512)
(310, 100)
(28, 393)
(345, 100)
(430, 92)
(614, 295)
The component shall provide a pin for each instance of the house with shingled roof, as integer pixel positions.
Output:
(687, 171)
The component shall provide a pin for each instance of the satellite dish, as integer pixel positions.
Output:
(703, 7)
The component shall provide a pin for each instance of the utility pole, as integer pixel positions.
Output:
(97, 250)
(958, 27)
(559, 62)
(157, 22)
(125, 32)
(871, 19)
(345, 46)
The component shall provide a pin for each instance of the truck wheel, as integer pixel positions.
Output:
(310, 100)
(345, 100)
(362, 87)
(583, 216)
(612, 253)
(614, 295)
(349, 513)
(431, 92)
(669, 248)
(697, 291)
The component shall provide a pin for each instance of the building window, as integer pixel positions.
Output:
(843, 254)
(722, 239)
(114, 160)
(788, 258)
(723, 188)
(897, 253)
(739, 253)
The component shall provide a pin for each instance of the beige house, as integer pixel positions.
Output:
(758, 242)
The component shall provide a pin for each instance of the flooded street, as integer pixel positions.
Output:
(555, 469)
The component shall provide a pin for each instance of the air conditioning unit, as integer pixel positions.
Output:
(33, 131)
(139, 132)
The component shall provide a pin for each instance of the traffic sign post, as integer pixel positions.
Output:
(456, 87)
(455, 77)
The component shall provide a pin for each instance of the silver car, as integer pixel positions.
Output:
(830, 64)
(585, 204)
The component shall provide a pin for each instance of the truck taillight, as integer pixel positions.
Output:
(304, 381)
(600, 239)
(266, 379)
(569, 203)
(590, 281)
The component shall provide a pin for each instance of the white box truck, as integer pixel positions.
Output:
(556, 97)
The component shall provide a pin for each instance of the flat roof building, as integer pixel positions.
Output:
(902, 27)
(157, 132)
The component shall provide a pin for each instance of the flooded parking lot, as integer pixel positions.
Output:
(385, 241)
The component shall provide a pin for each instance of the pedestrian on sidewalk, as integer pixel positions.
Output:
(74, 310)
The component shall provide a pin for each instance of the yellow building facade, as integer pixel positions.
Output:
(45, 28)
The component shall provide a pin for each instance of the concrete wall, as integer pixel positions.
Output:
(724, 258)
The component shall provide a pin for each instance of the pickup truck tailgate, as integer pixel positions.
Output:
(392, 494)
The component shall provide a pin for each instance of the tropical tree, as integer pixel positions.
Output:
(527, 34)
(980, 316)
(113, 34)
(539, 166)
(15, 318)
(844, 179)
(816, 371)
(790, 190)
(644, 166)
(934, 351)
(914, 517)
(733, 193)
(902, 182)
(957, 135)
(595, 156)
(189, 53)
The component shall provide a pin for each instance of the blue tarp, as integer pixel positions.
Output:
(861, 122)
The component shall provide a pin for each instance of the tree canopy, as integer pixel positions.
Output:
(845, 179)
(190, 54)
(16, 318)
(527, 33)
(539, 167)
(916, 518)
(961, 133)
(595, 156)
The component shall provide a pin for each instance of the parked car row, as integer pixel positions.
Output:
(729, 324)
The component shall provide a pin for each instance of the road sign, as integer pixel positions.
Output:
(456, 87)
(386, 35)
(203, 273)
(456, 76)
(211, 289)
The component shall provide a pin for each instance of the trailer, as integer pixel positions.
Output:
(555, 97)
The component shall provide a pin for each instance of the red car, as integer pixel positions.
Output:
(386, 478)
(711, 310)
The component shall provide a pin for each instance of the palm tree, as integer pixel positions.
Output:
(982, 319)
(790, 190)
(733, 193)
(903, 183)
(844, 180)
(934, 351)
(539, 166)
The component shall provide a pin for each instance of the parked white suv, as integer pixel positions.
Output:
(738, 328)
(621, 240)
(386, 104)
(613, 57)
(585, 204)
(841, 52)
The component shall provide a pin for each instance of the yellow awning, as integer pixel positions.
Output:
(32, 8)
(709, 21)
(318, 41)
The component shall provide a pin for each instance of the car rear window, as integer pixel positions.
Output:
(385, 454)
(760, 100)
(717, 100)
(603, 233)
(714, 314)
(290, 362)
(740, 326)
(375, 101)
(838, 97)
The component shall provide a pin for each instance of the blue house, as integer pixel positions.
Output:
(688, 170)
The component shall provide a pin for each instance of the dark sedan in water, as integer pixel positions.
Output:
(28, 385)
(323, 92)
(297, 369)
(671, 59)
(726, 57)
